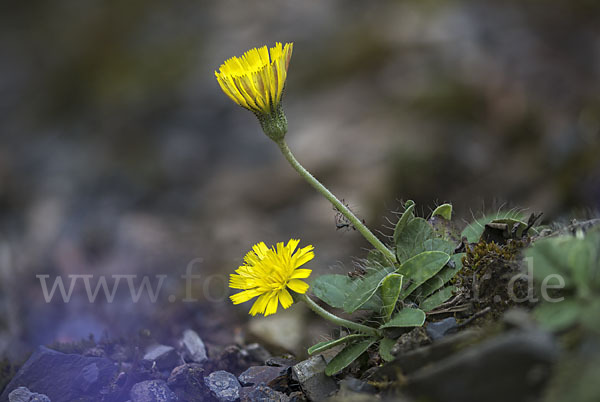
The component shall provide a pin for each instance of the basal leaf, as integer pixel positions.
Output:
(322, 346)
(407, 317)
(446, 246)
(452, 267)
(474, 230)
(385, 349)
(411, 241)
(558, 316)
(444, 210)
(420, 268)
(347, 356)
(437, 299)
(332, 289)
(390, 291)
(365, 288)
(406, 217)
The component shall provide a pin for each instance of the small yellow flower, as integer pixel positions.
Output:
(268, 273)
(255, 80)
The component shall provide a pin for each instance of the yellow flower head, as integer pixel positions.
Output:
(255, 81)
(268, 273)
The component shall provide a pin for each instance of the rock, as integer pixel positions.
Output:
(411, 361)
(410, 341)
(187, 381)
(280, 361)
(165, 357)
(283, 331)
(518, 318)
(310, 374)
(62, 377)
(262, 393)
(193, 347)
(438, 329)
(261, 374)
(23, 394)
(152, 391)
(223, 386)
(505, 368)
(231, 359)
(356, 385)
(257, 353)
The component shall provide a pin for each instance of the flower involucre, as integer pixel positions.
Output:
(256, 79)
(268, 273)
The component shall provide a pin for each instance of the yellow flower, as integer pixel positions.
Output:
(255, 80)
(268, 273)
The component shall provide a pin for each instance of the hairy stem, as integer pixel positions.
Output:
(335, 319)
(336, 203)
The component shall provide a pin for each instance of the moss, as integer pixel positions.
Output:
(487, 271)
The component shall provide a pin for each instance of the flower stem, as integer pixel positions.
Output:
(336, 203)
(335, 319)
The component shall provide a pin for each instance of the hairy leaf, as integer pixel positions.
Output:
(437, 299)
(407, 317)
(422, 267)
(444, 210)
(347, 356)
(390, 291)
(322, 346)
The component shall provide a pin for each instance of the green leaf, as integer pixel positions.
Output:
(444, 210)
(390, 291)
(333, 289)
(385, 349)
(411, 241)
(322, 346)
(558, 316)
(422, 267)
(474, 230)
(437, 299)
(446, 246)
(365, 288)
(449, 271)
(406, 217)
(347, 356)
(407, 317)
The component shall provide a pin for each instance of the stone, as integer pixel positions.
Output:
(358, 386)
(223, 386)
(187, 381)
(61, 376)
(438, 329)
(310, 374)
(497, 370)
(279, 361)
(257, 353)
(231, 359)
(165, 357)
(152, 391)
(261, 374)
(23, 394)
(415, 359)
(193, 347)
(283, 331)
(262, 393)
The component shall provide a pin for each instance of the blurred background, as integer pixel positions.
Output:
(119, 154)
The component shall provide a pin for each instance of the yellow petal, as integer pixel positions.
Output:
(298, 286)
(301, 273)
(272, 305)
(285, 298)
(244, 296)
(259, 305)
